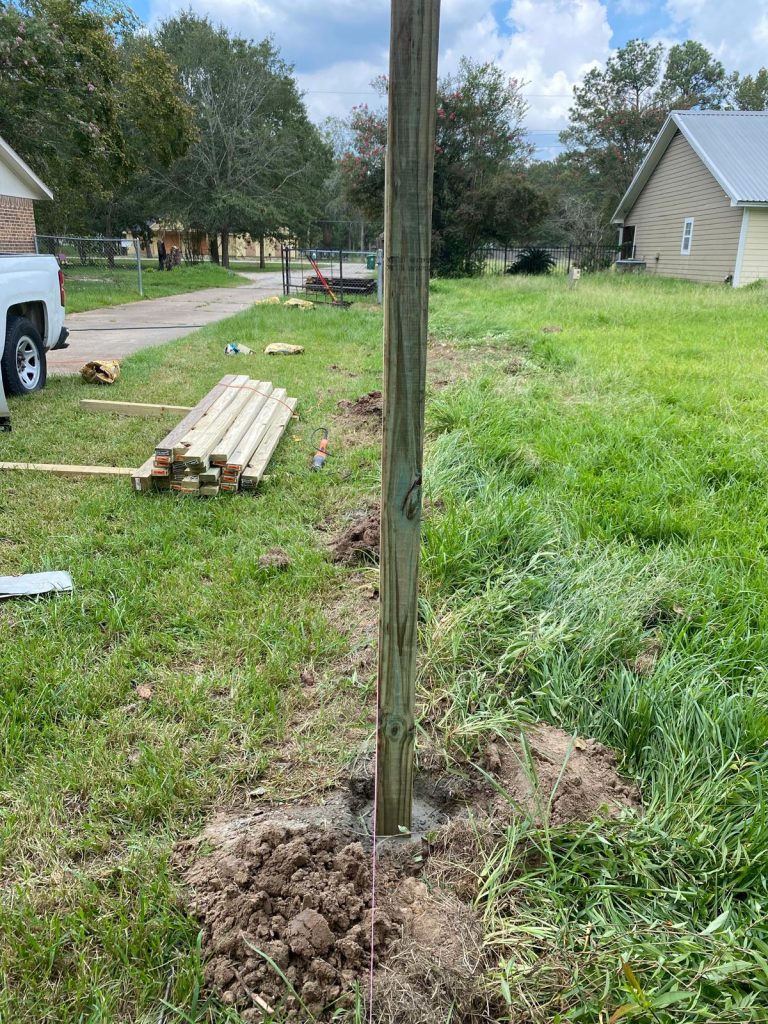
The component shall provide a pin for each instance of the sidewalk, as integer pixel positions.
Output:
(118, 331)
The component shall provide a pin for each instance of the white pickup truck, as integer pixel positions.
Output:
(31, 323)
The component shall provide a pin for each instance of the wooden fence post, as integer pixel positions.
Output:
(407, 244)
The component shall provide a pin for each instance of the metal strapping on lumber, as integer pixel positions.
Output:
(224, 443)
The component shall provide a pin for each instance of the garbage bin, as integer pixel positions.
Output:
(370, 261)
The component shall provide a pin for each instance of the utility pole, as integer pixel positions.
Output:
(407, 243)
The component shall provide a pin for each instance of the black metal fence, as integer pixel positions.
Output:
(499, 259)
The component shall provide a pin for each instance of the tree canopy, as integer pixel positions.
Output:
(86, 101)
(481, 193)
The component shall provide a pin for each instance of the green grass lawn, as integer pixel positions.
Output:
(93, 287)
(595, 555)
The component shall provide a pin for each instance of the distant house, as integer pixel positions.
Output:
(19, 188)
(698, 206)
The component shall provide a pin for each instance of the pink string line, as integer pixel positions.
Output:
(373, 856)
(247, 387)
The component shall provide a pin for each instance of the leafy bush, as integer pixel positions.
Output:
(532, 261)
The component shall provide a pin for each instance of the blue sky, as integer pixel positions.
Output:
(338, 46)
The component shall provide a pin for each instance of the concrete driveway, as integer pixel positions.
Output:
(118, 331)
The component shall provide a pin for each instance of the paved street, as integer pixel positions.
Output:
(118, 331)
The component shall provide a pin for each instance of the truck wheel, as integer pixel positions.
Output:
(23, 363)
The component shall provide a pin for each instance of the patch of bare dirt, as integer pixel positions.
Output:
(275, 558)
(552, 329)
(366, 407)
(359, 542)
(558, 778)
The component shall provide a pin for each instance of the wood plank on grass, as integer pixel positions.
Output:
(67, 470)
(130, 408)
(222, 400)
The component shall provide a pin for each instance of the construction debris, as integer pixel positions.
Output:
(60, 469)
(35, 583)
(280, 348)
(101, 371)
(299, 304)
(233, 349)
(224, 444)
(273, 300)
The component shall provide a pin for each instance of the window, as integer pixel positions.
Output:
(685, 248)
(628, 242)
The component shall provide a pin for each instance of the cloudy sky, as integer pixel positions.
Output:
(338, 46)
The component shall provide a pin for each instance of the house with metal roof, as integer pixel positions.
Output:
(698, 206)
(20, 187)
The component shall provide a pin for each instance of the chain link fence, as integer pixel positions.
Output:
(337, 275)
(95, 260)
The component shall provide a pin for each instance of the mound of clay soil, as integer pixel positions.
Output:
(284, 896)
(365, 407)
(359, 542)
(557, 778)
(284, 887)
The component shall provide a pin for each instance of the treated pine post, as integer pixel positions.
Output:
(407, 239)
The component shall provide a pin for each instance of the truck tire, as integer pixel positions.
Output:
(23, 364)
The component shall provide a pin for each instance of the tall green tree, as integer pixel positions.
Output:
(481, 190)
(258, 163)
(86, 102)
(693, 78)
(750, 92)
(619, 108)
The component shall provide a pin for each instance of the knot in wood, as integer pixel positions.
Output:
(412, 499)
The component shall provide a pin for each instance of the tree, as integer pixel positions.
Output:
(481, 193)
(258, 163)
(619, 108)
(693, 78)
(750, 92)
(85, 102)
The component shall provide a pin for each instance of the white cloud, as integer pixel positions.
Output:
(737, 32)
(338, 48)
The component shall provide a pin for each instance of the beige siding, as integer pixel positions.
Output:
(754, 263)
(680, 187)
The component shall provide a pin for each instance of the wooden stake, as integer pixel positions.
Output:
(407, 241)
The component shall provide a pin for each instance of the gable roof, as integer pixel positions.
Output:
(11, 159)
(732, 145)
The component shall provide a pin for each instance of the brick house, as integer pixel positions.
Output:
(19, 188)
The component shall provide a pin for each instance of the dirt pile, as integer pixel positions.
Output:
(360, 541)
(299, 893)
(284, 896)
(366, 407)
(557, 777)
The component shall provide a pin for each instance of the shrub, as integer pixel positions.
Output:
(532, 261)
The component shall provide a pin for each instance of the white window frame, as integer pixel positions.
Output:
(687, 237)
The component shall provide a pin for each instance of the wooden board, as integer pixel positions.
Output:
(206, 439)
(253, 436)
(130, 408)
(142, 478)
(66, 470)
(254, 471)
(262, 389)
(221, 401)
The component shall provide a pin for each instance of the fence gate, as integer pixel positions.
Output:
(323, 273)
(93, 259)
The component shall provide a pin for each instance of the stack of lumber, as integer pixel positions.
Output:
(224, 443)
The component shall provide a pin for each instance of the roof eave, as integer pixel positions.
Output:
(24, 171)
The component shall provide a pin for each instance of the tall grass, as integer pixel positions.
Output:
(605, 505)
